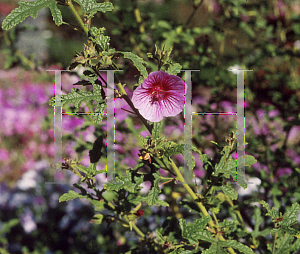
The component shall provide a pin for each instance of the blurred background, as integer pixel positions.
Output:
(211, 36)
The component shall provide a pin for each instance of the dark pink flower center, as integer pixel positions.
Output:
(157, 94)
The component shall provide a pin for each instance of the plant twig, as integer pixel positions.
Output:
(193, 13)
(69, 2)
(200, 205)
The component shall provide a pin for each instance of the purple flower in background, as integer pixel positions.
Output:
(273, 113)
(217, 8)
(260, 113)
(228, 106)
(161, 95)
(4, 155)
(283, 171)
(258, 166)
(144, 133)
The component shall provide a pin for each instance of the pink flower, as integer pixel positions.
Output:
(160, 95)
(4, 155)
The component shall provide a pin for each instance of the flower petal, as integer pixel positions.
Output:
(160, 95)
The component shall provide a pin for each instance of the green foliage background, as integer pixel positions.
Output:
(252, 34)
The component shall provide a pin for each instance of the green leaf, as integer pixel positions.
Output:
(296, 245)
(31, 9)
(97, 219)
(236, 245)
(159, 236)
(163, 24)
(3, 251)
(249, 160)
(284, 244)
(125, 182)
(273, 213)
(114, 185)
(138, 62)
(179, 149)
(89, 6)
(6, 227)
(100, 38)
(99, 113)
(99, 205)
(290, 217)
(103, 41)
(158, 201)
(154, 191)
(70, 196)
(229, 191)
(152, 197)
(247, 29)
(174, 69)
(258, 220)
(230, 168)
(188, 252)
(76, 97)
(213, 249)
(161, 202)
(196, 230)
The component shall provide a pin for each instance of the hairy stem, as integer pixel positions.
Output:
(200, 205)
(70, 4)
(137, 230)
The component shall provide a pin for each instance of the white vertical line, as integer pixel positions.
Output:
(110, 127)
(188, 174)
(241, 126)
(57, 124)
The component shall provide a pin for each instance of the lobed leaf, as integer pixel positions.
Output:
(196, 230)
(99, 113)
(138, 62)
(154, 191)
(180, 149)
(283, 244)
(31, 8)
(174, 69)
(236, 245)
(296, 245)
(273, 213)
(290, 217)
(89, 6)
(72, 195)
(258, 220)
(229, 191)
(6, 227)
(125, 182)
(100, 38)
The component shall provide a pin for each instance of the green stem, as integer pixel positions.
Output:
(193, 13)
(77, 16)
(237, 213)
(200, 205)
(166, 178)
(190, 191)
(139, 232)
(275, 236)
(216, 220)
